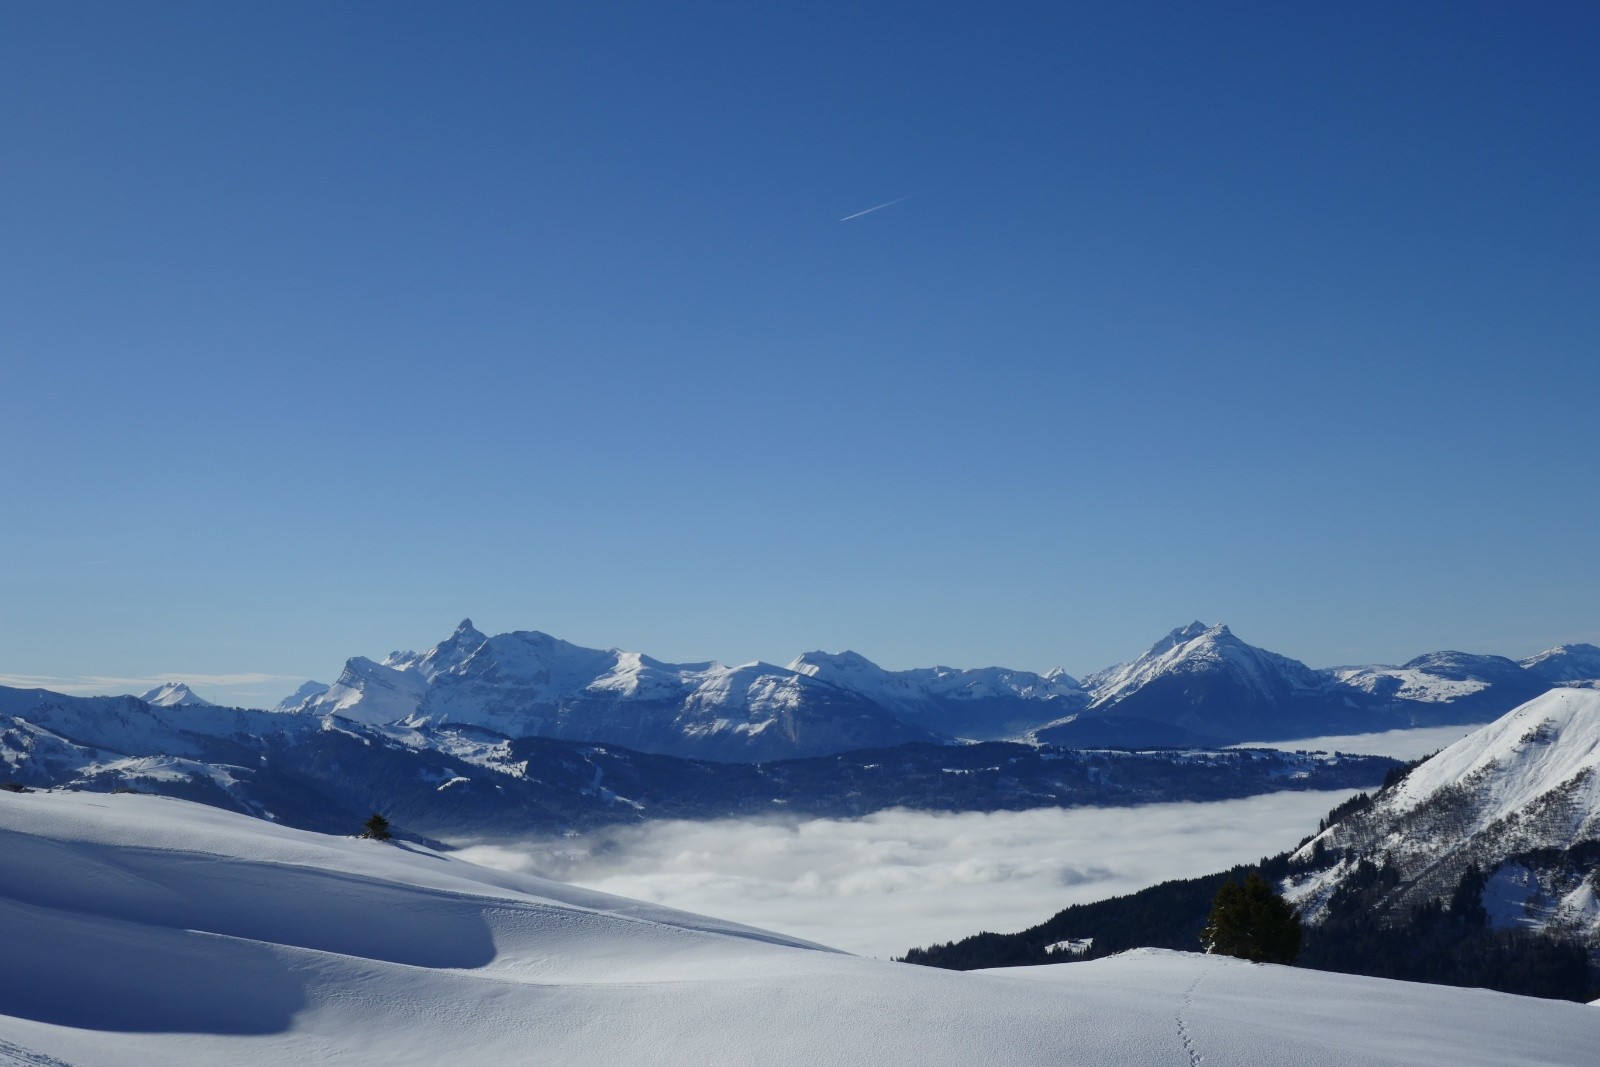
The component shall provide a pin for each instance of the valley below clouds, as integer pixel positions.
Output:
(884, 883)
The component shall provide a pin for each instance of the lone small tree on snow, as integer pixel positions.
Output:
(377, 828)
(1253, 923)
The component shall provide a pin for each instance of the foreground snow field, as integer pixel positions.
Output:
(141, 930)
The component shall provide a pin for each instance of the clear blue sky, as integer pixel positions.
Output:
(325, 325)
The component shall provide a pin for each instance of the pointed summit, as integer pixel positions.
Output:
(174, 694)
(1205, 679)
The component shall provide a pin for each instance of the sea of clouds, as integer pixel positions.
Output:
(881, 884)
(1401, 744)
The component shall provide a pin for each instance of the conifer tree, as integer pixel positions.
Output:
(1252, 922)
(377, 828)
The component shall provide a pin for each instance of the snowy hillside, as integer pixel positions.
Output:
(144, 931)
(1516, 803)
(988, 703)
(1565, 663)
(173, 694)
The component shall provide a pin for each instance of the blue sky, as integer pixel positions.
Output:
(326, 325)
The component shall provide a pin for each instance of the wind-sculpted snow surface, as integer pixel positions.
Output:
(143, 931)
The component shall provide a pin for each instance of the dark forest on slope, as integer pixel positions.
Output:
(1448, 946)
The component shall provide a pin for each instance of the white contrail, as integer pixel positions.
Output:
(879, 207)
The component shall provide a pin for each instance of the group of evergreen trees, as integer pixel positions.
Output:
(1252, 922)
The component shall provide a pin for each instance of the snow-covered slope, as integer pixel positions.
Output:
(1205, 679)
(1517, 801)
(1460, 680)
(142, 931)
(987, 703)
(306, 692)
(173, 694)
(528, 683)
(1565, 663)
(1197, 650)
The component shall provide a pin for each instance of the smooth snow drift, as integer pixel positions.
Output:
(149, 931)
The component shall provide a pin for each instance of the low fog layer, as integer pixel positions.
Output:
(1398, 744)
(882, 884)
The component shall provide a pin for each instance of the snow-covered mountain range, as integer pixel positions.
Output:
(1206, 681)
(143, 931)
(1198, 685)
(527, 684)
(323, 771)
(985, 703)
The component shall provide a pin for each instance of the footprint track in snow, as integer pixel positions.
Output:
(1184, 1036)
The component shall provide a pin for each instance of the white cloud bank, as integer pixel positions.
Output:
(882, 884)
(1399, 744)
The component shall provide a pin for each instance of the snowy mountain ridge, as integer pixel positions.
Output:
(1198, 685)
(1565, 663)
(174, 694)
(1516, 803)
(323, 772)
(529, 683)
(1198, 649)
(306, 691)
(986, 702)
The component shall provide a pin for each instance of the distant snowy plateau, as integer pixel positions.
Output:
(145, 931)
